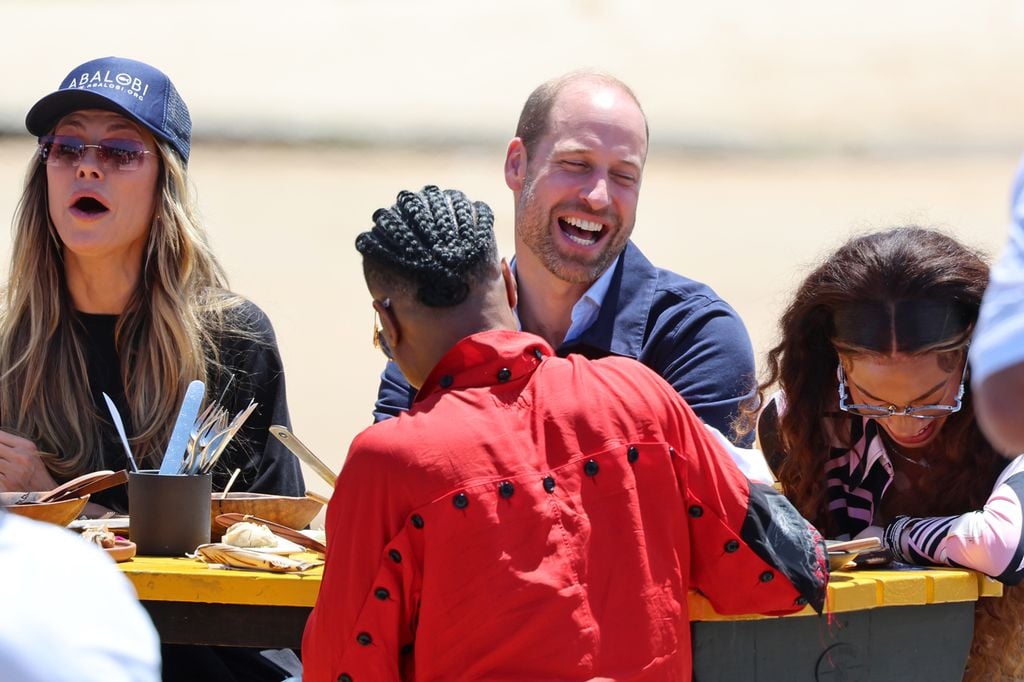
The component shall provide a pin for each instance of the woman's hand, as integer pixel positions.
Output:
(21, 465)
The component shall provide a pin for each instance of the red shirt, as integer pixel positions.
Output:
(533, 517)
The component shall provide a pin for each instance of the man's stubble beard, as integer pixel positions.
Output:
(535, 230)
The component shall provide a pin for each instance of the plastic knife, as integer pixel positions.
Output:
(174, 455)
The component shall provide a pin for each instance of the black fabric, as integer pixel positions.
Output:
(184, 663)
(251, 368)
(768, 436)
(778, 535)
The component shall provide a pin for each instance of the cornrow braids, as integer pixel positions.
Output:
(432, 242)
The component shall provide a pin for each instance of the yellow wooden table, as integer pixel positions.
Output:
(191, 603)
(881, 624)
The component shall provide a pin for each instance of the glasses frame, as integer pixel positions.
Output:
(380, 341)
(886, 411)
(106, 153)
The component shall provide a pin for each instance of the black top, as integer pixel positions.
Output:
(251, 369)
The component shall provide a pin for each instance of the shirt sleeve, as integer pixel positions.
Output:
(707, 357)
(751, 552)
(750, 461)
(999, 340)
(47, 572)
(394, 395)
(364, 612)
(989, 540)
(251, 368)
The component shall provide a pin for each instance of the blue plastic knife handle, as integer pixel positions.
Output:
(174, 455)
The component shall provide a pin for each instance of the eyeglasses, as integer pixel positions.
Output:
(379, 340)
(67, 151)
(883, 411)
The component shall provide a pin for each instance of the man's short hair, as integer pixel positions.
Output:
(535, 116)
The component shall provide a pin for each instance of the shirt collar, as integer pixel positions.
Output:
(493, 357)
(628, 299)
(587, 309)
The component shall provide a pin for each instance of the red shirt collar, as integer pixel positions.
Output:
(486, 359)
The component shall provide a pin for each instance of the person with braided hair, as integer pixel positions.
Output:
(575, 168)
(531, 516)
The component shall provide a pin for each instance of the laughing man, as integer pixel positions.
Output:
(575, 168)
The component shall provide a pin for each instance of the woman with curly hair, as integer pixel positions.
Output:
(873, 432)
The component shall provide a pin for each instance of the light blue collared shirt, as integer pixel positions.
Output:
(585, 312)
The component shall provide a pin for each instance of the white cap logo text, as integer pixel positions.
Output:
(123, 82)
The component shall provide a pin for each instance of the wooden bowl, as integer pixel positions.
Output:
(294, 512)
(61, 513)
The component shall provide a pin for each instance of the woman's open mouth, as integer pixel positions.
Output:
(88, 207)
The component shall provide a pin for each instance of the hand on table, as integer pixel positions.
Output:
(21, 465)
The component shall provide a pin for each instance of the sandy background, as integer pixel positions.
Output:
(777, 132)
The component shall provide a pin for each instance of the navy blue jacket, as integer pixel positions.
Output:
(678, 327)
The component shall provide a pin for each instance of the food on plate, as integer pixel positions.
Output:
(100, 536)
(247, 534)
(237, 557)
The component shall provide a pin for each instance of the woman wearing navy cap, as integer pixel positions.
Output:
(113, 289)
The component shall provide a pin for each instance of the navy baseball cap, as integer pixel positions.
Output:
(128, 87)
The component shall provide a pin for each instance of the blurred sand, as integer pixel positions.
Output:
(283, 220)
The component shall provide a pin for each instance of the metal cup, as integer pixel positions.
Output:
(169, 514)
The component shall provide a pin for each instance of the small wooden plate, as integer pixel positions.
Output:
(123, 550)
(61, 513)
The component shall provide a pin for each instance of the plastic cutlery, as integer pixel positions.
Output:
(304, 454)
(175, 453)
(119, 425)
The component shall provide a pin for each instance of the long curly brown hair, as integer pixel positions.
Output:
(906, 290)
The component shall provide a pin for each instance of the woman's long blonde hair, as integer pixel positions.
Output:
(163, 337)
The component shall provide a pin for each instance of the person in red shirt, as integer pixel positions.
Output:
(531, 517)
